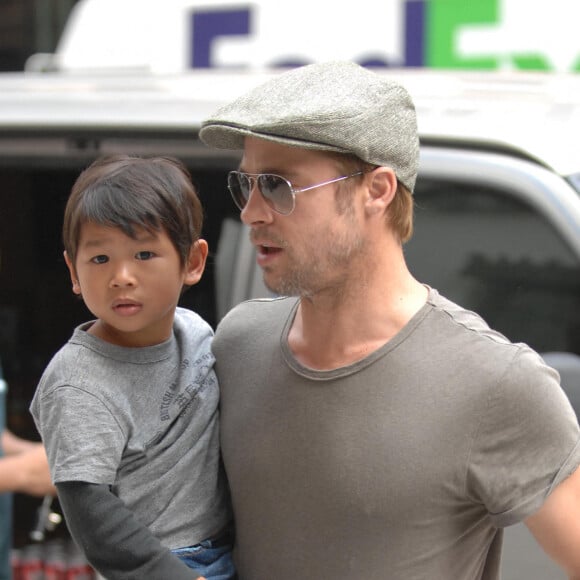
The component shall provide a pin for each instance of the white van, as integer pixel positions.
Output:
(497, 203)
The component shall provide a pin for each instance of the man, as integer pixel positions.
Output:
(370, 428)
(23, 469)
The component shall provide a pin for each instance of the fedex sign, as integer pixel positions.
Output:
(175, 35)
(474, 34)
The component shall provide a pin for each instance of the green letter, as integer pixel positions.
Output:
(531, 62)
(444, 18)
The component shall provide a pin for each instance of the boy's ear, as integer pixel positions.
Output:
(76, 287)
(195, 263)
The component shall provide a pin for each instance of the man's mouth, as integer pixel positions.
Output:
(267, 245)
(266, 250)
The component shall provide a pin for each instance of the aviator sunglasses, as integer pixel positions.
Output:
(277, 191)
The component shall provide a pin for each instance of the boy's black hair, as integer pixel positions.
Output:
(131, 193)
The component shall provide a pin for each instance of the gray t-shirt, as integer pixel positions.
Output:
(406, 464)
(144, 421)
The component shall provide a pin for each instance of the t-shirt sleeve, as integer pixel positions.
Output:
(527, 443)
(113, 540)
(82, 437)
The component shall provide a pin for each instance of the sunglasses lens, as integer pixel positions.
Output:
(277, 192)
(240, 187)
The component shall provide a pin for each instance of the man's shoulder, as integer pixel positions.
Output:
(460, 320)
(468, 337)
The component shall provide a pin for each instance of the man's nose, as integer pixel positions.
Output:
(257, 210)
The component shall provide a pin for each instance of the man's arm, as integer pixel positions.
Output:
(556, 526)
(11, 444)
(24, 468)
(114, 541)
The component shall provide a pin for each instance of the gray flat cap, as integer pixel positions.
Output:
(333, 106)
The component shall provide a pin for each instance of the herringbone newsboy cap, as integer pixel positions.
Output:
(332, 106)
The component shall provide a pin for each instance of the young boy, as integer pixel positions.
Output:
(128, 408)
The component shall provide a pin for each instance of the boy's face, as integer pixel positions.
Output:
(132, 285)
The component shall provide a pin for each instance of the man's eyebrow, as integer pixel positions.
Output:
(286, 173)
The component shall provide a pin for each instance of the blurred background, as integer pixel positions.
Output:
(37, 309)
(28, 27)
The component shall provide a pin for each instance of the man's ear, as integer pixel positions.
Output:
(381, 189)
(76, 287)
(196, 263)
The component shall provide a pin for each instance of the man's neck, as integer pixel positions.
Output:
(329, 332)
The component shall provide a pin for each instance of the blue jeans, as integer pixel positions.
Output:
(211, 559)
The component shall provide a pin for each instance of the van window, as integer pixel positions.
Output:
(491, 253)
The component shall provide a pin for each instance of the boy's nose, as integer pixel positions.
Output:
(123, 276)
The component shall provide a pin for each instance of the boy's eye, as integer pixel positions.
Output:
(144, 255)
(100, 259)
